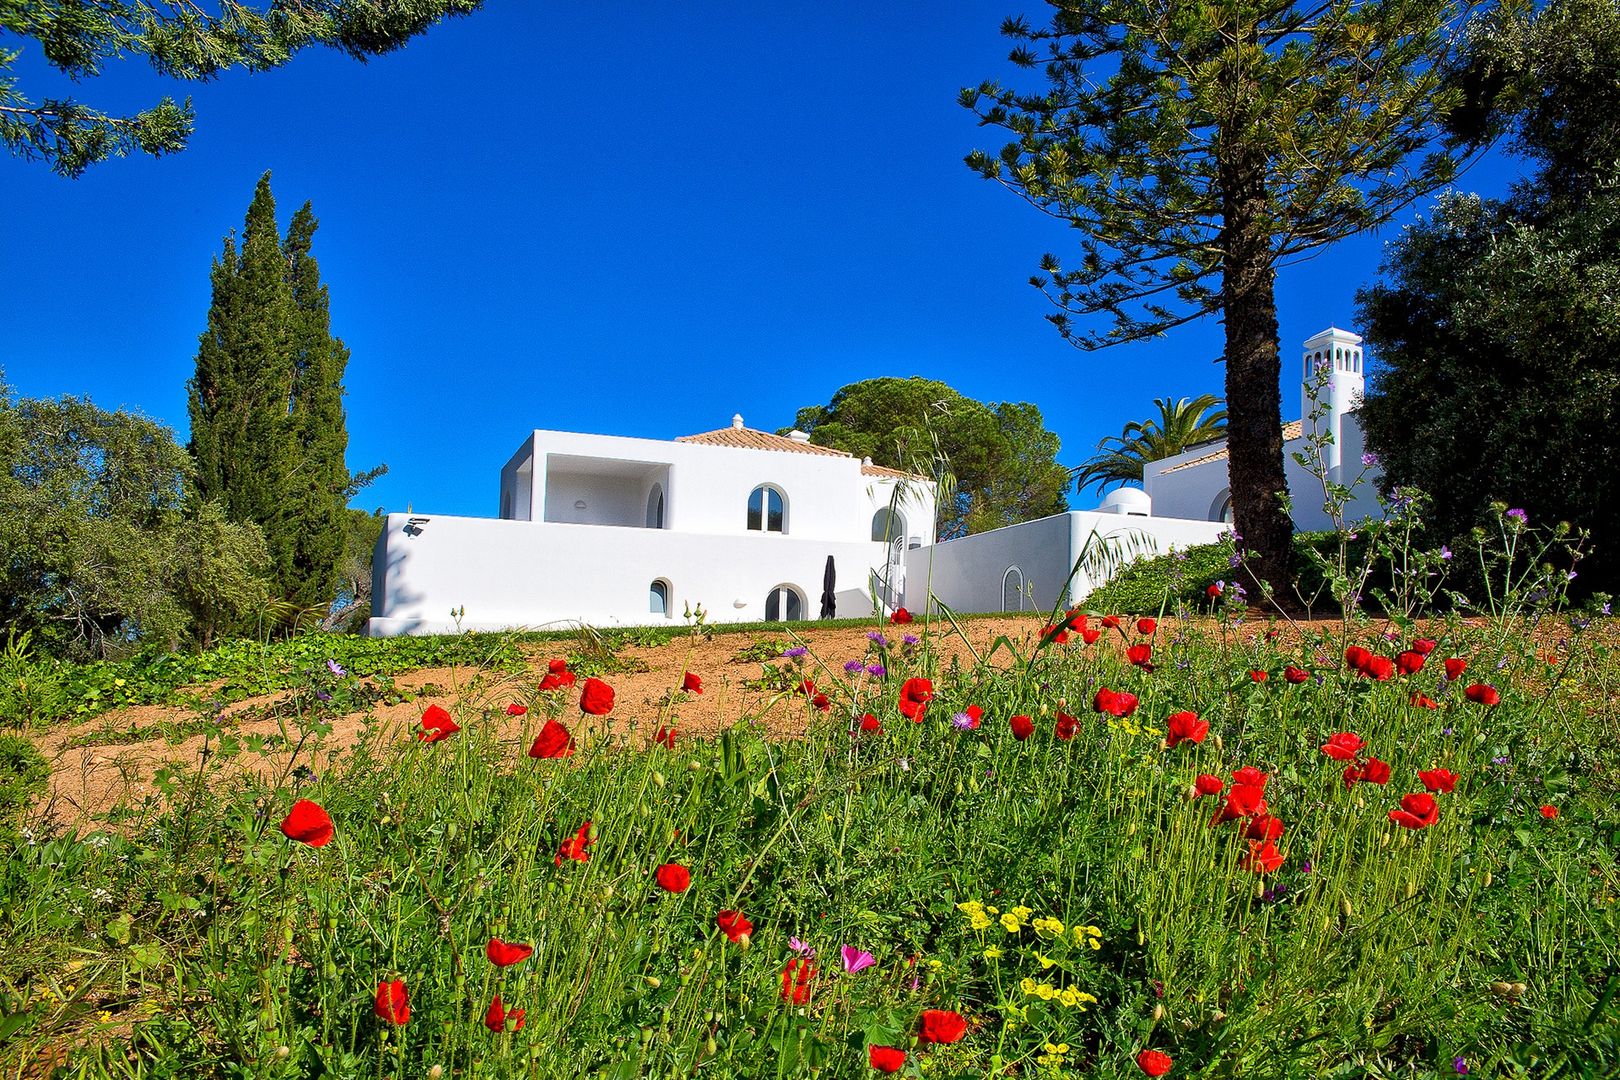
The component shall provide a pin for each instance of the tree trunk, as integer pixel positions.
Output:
(1253, 368)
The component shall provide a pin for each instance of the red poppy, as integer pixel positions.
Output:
(1355, 658)
(1381, 668)
(1066, 726)
(1454, 667)
(497, 1016)
(1292, 674)
(1154, 1062)
(1089, 635)
(941, 1026)
(552, 742)
(1418, 811)
(596, 698)
(1482, 694)
(1409, 662)
(393, 1003)
(665, 737)
(506, 953)
(975, 715)
(1242, 801)
(1265, 827)
(886, 1059)
(1110, 622)
(675, 878)
(734, 925)
(691, 683)
(1424, 646)
(1185, 727)
(1424, 701)
(1343, 746)
(822, 702)
(1057, 633)
(436, 725)
(1375, 771)
(1140, 654)
(1208, 785)
(1075, 619)
(308, 824)
(1022, 727)
(557, 667)
(1256, 675)
(1214, 591)
(871, 725)
(796, 979)
(1549, 811)
(900, 617)
(1263, 857)
(1250, 777)
(914, 698)
(515, 709)
(576, 847)
(1146, 626)
(558, 677)
(1443, 781)
(1114, 702)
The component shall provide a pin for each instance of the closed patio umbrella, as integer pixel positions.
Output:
(829, 581)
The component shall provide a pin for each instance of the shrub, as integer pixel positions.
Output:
(23, 775)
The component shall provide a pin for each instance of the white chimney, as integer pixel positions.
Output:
(798, 436)
(736, 421)
(1335, 355)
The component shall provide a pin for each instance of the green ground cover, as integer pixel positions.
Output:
(1068, 898)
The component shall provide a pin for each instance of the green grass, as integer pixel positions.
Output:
(195, 940)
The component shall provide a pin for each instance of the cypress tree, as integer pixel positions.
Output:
(267, 424)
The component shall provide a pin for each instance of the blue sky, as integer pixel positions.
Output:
(635, 219)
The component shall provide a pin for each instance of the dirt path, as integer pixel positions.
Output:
(133, 744)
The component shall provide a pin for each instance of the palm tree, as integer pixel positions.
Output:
(1178, 427)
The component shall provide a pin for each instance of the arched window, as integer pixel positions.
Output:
(1221, 508)
(658, 598)
(1012, 589)
(655, 507)
(767, 510)
(783, 604)
(888, 526)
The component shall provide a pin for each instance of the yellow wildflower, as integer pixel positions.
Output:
(993, 953)
(1009, 922)
(1052, 927)
(1028, 985)
(1046, 961)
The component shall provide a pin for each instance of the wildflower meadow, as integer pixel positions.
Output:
(1185, 843)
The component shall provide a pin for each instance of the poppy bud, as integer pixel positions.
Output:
(1220, 744)
(1502, 988)
(1158, 1013)
(450, 831)
(1518, 989)
(1130, 830)
(654, 981)
(591, 835)
(282, 1052)
(694, 766)
(1487, 879)
(658, 779)
(435, 1072)
(743, 941)
(1346, 908)
(1411, 889)
(287, 933)
(710, 1047)
(1259, 887)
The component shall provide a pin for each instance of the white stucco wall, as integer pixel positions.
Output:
(525, 574)
(969, 573)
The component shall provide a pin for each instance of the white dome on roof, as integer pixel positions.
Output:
(1132, 501)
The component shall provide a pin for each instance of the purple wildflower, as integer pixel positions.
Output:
(877, 637)
(962, 721)
(335, 668)
(1459, 1064)
(911, 639)
(877, 671)
(853, 666)
(1370, 460)
(1518, 515)
(1445, 552)
(795, 652)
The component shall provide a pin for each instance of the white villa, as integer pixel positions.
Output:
(606, 530)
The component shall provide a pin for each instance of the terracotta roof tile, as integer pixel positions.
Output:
(893, 474)
(1290, 431)
(749, 439)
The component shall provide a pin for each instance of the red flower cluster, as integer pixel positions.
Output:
(886, 1059)
(1454, 668)
(308, 824)
(393, 1003)
(1154, 1062)
(1417, 811)
(1369, 665)
(1208, 785)
(497, 1017)
(1065, 727)
(1439, 781)
(596, 698)
(796, 980)
(1482, 694)
(576, 847)
(1022, 727)
(1245, 799)
(900, 617)
(1343, 746)
(436, 725)
(1141, 655)
(734, 926)
(506, 953)
(914, 698)
(674, 878)
(1118, 703)
(941, 1026)
(557, 677)
(1184, 727)
(552, 742)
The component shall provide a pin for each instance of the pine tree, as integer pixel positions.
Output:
(267, 424)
